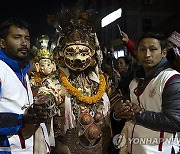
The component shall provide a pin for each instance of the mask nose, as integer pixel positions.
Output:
(77, 61)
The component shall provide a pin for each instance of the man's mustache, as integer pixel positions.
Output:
(23, 49)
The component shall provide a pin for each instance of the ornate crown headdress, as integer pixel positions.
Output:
(75, 28)
(42, 48)
(44, 54)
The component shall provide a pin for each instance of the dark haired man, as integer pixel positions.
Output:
(154, 112)
(18, 120)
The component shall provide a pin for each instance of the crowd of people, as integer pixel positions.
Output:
(73, 95)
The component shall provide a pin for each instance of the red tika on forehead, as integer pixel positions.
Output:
(175, 38)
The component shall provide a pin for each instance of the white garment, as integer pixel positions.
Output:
(41, 140)
(16, 145)
(151, 100)
(12, 98)
(13, 94)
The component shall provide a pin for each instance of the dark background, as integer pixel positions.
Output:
(34, 12)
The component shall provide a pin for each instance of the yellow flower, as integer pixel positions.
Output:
(81, 97)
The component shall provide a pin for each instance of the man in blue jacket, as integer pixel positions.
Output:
(18, 120)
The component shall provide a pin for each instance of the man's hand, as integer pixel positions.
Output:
(136, 109)
(28, 130)
(125, 37)
(127, 110)
(35, 115)
(123, 110)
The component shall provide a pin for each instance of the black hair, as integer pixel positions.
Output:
(126, 60)
(5, 26)
(170, 55)
(159, 36)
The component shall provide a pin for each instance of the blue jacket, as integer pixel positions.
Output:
(11, 123)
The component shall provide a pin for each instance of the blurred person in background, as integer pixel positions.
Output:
(173, 54)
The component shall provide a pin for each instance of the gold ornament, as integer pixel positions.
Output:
(93, 132)
(98, 117)
(85, 118)
(44, 54)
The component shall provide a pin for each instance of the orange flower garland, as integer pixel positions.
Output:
(37, 77)
(80, 96)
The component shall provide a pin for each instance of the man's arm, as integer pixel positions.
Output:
(169, 119)
(129, 44)
(10, 123)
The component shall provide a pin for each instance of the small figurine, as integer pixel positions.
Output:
(44, 79)
(45, 86)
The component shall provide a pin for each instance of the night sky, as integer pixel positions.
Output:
(34, 12)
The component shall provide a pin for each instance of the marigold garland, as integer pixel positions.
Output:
(80, 96)
(37, 77)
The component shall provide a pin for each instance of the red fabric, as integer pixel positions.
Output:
(22, 140)
(161, 141)
(132, 138)
(130, 48)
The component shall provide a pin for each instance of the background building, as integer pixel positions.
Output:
(138, 16)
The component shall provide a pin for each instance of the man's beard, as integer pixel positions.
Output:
(25, 60)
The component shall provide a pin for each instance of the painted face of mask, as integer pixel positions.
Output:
(46, 66)
(77, 57)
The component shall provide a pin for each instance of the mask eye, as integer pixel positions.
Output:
(84, 52)
(70, 52)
